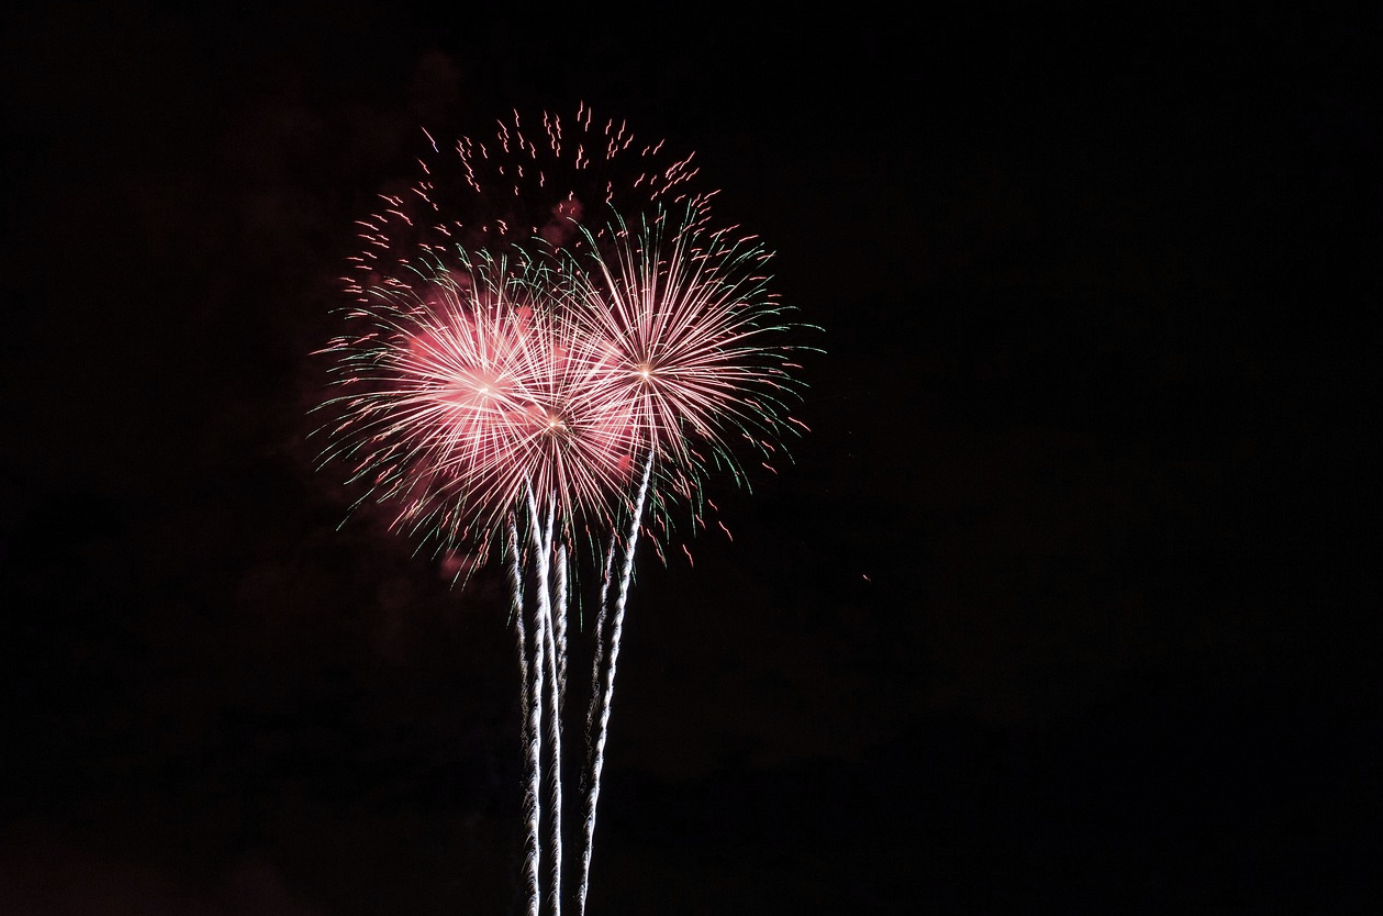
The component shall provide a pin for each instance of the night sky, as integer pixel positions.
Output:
(1067, 603)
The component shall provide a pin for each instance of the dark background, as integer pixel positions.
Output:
(1068, 602)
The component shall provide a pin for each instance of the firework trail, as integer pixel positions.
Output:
(532, 847)
(535, 763)
(542, 550)
(560, 593)
(607, 569)
(532, 320)
(605, 688)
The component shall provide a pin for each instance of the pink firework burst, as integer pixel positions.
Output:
(687, 335)
(470, 387)
(465, 393)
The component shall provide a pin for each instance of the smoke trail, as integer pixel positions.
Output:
(529, 728)
(607, 689)
(606, 572)
(598, 664)
(593, 710)
(547, 659)
(535, 740)
(559, 600)
(559, 603)
(554, 767)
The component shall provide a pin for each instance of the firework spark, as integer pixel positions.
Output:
(532, 179)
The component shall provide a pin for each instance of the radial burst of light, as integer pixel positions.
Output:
(464, 392)
(687, 338)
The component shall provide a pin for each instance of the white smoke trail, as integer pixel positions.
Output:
(535, 735)
(607, 687)
(559, 613)
(554, 769)
(607, 571)
(530, 707)
(546, 658)
(558, 650)
(593, 710)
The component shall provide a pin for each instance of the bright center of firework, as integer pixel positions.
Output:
(645, 372)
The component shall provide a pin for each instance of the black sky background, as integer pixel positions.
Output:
(1067, 603)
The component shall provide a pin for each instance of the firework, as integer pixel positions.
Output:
(685, 330)
(463, 393)
(540, 352)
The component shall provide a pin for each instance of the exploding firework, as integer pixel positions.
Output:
(540, 352)
(688, 333)
(464, 392)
